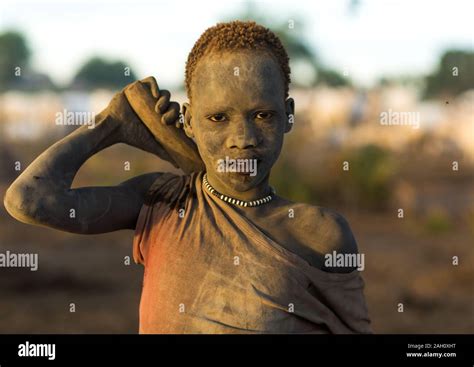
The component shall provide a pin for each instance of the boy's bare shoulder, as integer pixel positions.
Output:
(323, 229)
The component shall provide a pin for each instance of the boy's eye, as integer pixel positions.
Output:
(219, 117)
(264, 115)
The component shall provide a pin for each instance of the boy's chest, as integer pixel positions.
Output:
(289, 234)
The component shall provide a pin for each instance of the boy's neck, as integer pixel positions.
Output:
(255, 193)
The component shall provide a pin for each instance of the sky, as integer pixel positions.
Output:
(378, 38)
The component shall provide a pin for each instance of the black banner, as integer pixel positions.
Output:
(403, 350)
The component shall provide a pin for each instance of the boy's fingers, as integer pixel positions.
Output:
(172, 114)
(153, 86)
(163, 102)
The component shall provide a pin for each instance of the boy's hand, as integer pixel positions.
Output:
(168, 110)
(161, 117)
(129, 127)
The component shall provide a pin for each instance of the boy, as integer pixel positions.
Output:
(220, 250)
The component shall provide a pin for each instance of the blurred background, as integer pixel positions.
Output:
(352, 61)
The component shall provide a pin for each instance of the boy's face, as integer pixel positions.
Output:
(238, 110)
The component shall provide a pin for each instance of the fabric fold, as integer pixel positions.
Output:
(208, 269)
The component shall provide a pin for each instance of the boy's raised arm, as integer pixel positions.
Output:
(42, 194)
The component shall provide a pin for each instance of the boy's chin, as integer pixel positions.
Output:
(239, 182)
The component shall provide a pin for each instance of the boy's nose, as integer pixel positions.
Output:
(243, 135)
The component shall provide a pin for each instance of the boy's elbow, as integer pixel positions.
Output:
(19, 203)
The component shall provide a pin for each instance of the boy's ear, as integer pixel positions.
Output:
(290, 114)
(187, 120)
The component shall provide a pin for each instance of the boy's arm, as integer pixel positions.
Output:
(42, 194)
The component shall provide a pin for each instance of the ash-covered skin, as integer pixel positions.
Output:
(238, 110)
(244, 116)
(42, 194)
(247, 116)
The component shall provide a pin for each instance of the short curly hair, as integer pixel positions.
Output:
(237, 35)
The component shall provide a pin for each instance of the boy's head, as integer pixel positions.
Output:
(237, 78)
